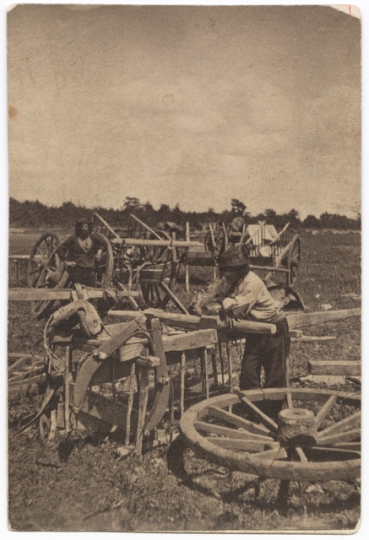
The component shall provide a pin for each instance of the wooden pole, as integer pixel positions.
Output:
(106, 225)
(143, 398)
(146, 226)
(187, 268)
(204, 355)
(132, 379)
(193, 322)
(221, 361)
(183, 372)
(230, 371)
(214, 364)
(67, 380)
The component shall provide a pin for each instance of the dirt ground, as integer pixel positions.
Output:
(88, 484)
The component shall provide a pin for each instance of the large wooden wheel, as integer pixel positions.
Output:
(40, 255)
(221, 240)
(292, 260)
(316, 438)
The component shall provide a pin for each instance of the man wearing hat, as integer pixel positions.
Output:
(80, 252)
(241, 294)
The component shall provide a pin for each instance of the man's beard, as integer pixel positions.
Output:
(83, 234)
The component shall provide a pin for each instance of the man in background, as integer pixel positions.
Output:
(81, 252)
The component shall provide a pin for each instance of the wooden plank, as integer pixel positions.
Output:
(192, 322)
(161, 243)
(28, 294)
(300, 320)
(334, 367)
(191, 340)
(130, 352)
(307, 339)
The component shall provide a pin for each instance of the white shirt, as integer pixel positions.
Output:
(249, 298)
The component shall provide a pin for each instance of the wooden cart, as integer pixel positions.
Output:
(146, 261)
(269, 251)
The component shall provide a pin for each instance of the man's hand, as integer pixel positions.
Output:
(228, 304)
(71, 264)
(98, 256)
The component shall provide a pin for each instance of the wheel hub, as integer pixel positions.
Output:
(296, 427)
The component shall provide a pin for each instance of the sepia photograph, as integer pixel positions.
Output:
(184, 268)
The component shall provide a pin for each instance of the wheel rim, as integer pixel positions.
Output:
(40, 255)
(255, 447)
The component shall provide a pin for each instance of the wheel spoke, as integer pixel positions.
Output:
(256, 410)
(301, 454)
(346, 436)
(325, 410)
(221, 414)
(323, 453)
(348, 445)
(229, 432)
(348, 423)
(273, 454)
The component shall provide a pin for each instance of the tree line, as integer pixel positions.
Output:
(34, 214)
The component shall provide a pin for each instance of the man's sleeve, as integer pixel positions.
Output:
(64, 247)
(99, 241)
(243, 302)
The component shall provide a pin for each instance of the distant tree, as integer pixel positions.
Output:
(164, 213)
(238, 207)
(270, 215)
(132, 204)
(311, 222)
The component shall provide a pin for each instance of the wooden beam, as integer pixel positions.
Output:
(25, 294)
(300, 320)
(164, 243)
(334, 367)
(192, 322)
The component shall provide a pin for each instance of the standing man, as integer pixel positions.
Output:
(241, 294)
(81, 252)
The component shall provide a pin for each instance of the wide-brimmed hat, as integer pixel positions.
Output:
(232, 259)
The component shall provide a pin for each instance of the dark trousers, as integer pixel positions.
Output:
(269, 352)
(82, 275)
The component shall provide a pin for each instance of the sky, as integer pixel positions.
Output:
(185, 104)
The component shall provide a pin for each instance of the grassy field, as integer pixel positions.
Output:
(89, 486)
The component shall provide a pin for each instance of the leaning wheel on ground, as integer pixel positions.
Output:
(40, 255)
(316, 437)
(221, 240)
